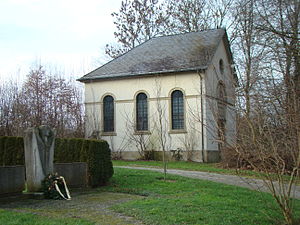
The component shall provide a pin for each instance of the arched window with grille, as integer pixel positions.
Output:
(221, 66)
(221, 101)
(221, 120)
(108, 114)
(177, 110)
(141, 112)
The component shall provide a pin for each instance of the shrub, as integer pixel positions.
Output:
(77, 149)
(20, 157)
(95, 153)
(149, 155)
(61, 150)
(93, 156)
(100, 167)
(230, 158)
(68, 150)
(11, 151)
(2, 150)
(57, 150)
(84, 150)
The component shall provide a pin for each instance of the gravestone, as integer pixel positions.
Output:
(39, 153)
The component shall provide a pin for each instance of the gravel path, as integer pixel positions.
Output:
(254, 184)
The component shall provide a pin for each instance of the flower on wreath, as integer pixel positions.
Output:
(55, 187)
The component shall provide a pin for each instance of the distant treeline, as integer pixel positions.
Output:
(42, 99)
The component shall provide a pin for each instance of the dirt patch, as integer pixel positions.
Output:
(92, 206)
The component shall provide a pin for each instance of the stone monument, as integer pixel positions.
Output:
(39, 153)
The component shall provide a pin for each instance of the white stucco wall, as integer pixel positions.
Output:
(124, 92)
(212, 78)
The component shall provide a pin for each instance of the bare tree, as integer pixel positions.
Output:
(117, 151)
(188, 16)
(42, 99)
(279, 23)
(136, 22)
(53, 101)
(141, 139)
(269, 144)
(248, 49)
(268, 113)
(266, 141)
(140, 20)
(12, 110)
(189, 140)
(220, 15)
(198, 15)
(161, 124)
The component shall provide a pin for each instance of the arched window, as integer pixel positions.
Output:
(177, 110)
(108, 114)
(221, 66)
(221, 101)
(141, 112)
(221, 114)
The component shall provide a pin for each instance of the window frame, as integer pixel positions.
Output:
(221, 100)
(137, 130)
(222, 111)
(221, 67)
(183, 128)
(108, 132)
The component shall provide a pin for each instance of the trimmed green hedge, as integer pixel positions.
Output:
(95, 153)
(11, 151)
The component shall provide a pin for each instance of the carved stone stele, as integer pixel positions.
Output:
(39, 153)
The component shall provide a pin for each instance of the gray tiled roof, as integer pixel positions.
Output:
(174, 53)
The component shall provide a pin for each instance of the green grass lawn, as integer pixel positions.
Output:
(189, 201)
(21, 218)
(153, 201)
(192, 166)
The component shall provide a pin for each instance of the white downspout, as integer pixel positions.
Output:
(202, 116)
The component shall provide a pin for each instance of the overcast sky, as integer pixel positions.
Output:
(69, 35)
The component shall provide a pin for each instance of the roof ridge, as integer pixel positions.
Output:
(195, 49)
(185, 33)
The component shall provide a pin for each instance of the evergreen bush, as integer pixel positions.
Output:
(99, 163)
(9, 151)
(57, 149)
(68, 150)
(84, 150)
(20, 157)
(2, 149)
(77, 149)
(95, 153)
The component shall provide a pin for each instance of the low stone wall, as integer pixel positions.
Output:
(12, 180)
(75, 173)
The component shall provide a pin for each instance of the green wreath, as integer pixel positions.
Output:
(55, 187)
